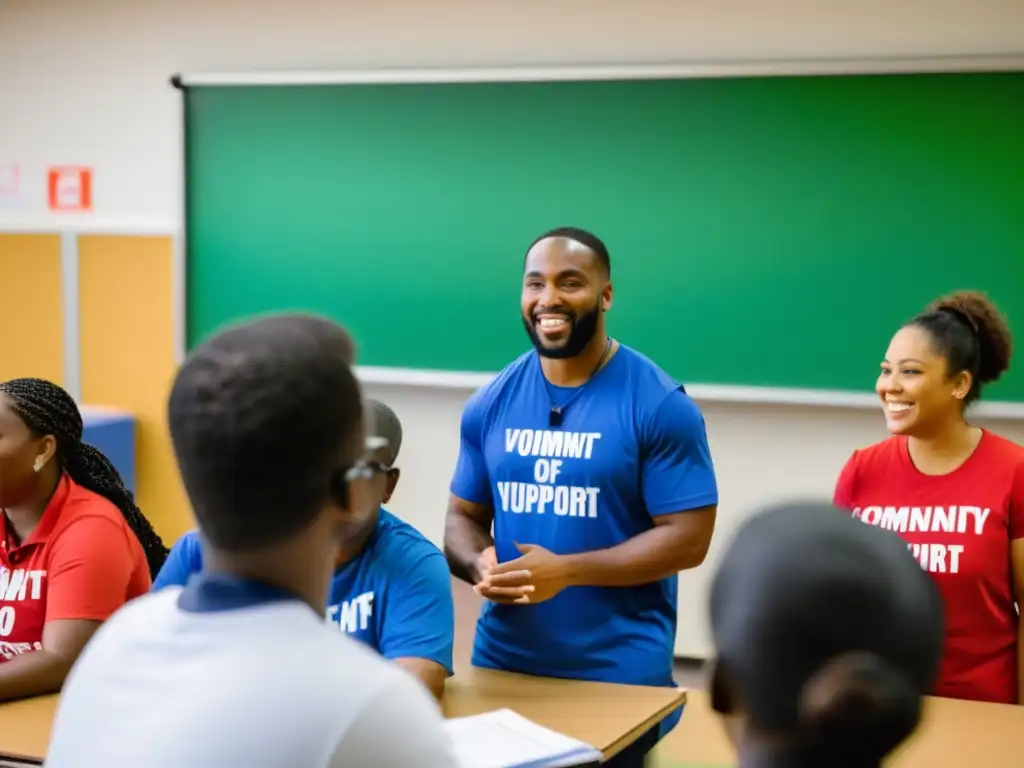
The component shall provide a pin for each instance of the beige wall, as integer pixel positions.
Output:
(85, 82)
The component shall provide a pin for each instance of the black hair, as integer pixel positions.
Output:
(385, 423)
(264, 416)
(827, 633)
(969, 331)
(857, 709)
(583, 237)
(48, 409)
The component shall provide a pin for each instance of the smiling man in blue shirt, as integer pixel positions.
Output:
(593, 467)
(391, 588)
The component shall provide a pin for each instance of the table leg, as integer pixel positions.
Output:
(635, 755)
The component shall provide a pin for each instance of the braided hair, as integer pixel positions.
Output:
(47, 409)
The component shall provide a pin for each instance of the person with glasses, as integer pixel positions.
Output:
(391, 587)
(238, 667)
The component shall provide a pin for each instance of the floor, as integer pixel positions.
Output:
(467, 607)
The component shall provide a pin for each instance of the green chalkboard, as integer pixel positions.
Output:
(763, 231)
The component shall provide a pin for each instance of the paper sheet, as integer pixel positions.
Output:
(505, 739)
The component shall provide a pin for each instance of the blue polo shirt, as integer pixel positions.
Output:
(632, 446)
(395, 595)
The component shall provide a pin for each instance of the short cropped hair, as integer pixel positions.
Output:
(263, 416)
(383, 422)
(588, 239)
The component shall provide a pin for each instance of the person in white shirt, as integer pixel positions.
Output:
(238, 667)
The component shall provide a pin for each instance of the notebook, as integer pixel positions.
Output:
(506, 739)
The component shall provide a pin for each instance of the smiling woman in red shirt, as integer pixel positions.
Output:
(73, 545)
(952, 491)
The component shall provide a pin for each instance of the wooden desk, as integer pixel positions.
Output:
(25, 728)
(955, 733)
(958, 733)
(608, 717)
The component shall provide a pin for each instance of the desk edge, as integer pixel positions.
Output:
(632, 735)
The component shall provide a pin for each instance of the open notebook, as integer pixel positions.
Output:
(505, 739)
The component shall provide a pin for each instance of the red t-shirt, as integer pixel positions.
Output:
(81, 562)
(959, 526)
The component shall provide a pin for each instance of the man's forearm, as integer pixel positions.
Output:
(649, 557)
(464, 540)
(32, 674)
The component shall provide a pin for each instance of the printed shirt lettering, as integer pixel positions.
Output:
(586, 485)
(957, 526)
(22, 610)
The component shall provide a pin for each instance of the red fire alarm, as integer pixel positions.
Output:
(70, 188)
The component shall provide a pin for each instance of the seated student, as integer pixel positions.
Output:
(73, 545)
(827, 635)
(391, 587)
(238, 668)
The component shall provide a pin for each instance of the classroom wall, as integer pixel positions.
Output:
(86, 83)
(30, 287)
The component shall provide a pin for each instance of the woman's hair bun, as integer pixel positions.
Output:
(989, 326)
(858, 708)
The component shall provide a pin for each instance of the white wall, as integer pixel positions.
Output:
(85, 82)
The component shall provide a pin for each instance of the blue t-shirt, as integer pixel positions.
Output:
(395, 595)
(632, 446)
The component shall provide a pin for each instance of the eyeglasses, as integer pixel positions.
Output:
(373, 461)
(363, 482)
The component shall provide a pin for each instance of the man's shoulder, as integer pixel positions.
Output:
(157, 619)
(146, 609)
(400, 546)
(327, 677)
(646, 375)
(190, 543)
(190, 538)
(396, 533)
(142, 610)
(659, 400)
(331, 684)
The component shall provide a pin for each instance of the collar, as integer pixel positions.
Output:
(218, 592)
(48, 522)
(214, 592)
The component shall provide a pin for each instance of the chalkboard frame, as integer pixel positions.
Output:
(1009, 62)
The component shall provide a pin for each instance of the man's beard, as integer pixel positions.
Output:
(583, 329)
